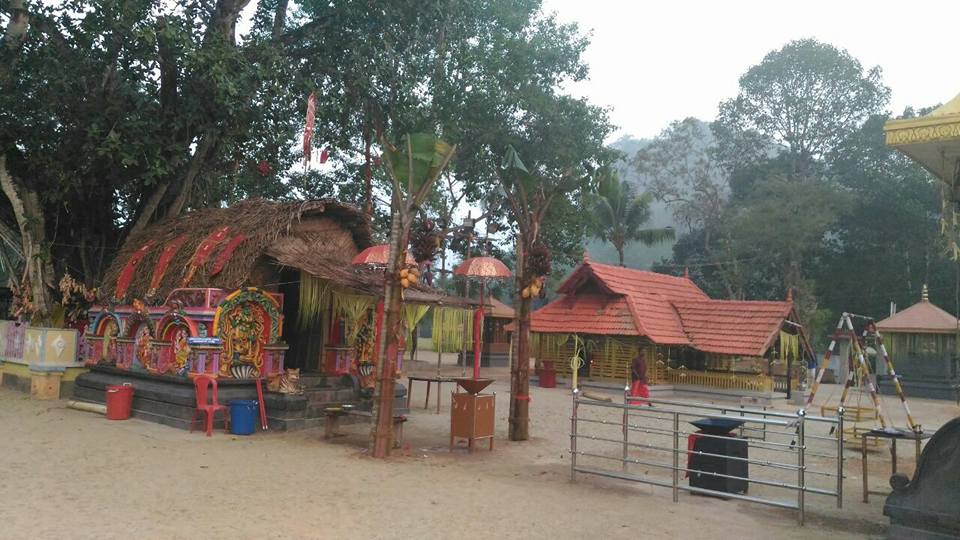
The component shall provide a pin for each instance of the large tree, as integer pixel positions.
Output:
(562, 149)
(760, 194)
(802, 100)
(889, 244)
(117, 114)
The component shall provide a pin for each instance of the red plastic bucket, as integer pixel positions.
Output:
(119, 401)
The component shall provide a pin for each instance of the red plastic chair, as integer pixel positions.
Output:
(202, 384)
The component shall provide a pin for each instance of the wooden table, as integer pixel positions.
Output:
(429, 380)
(902, 434)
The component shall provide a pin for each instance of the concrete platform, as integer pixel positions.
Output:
(171, 400)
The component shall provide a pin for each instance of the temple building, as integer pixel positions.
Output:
(922, 343)
(244, 293)
(692, 342)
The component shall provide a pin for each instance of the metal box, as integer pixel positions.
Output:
(472, 417)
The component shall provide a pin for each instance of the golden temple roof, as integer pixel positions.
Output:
(932, 140)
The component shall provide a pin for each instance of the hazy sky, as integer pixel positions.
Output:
(657, 61)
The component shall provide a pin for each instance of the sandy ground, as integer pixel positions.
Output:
(71, 474)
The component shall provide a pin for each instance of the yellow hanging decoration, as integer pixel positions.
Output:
(449, 325)
(314, 301)
(412, 313)
(789, 347)
(353, 308)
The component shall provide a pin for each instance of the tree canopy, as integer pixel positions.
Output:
(792, 187)
(619, 215)
(114, 115)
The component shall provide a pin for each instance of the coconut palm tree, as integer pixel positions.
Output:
(619, 214)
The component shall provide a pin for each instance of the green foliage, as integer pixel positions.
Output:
(115, 105)
(419, 159)
(801, 192)
(619, 215)
(803, 100)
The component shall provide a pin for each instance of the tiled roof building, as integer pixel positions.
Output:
(673, 319)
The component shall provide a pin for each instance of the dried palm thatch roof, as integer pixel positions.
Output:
(293, 233)
(363, 281)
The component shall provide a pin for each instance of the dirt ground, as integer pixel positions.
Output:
(71, 474)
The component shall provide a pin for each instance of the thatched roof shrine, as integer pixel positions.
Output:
(259, 238)
(321, 230)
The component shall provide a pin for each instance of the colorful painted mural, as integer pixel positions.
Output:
(229, 335)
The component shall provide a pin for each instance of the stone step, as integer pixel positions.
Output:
(315, 395)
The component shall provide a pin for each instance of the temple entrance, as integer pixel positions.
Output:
(304, 352)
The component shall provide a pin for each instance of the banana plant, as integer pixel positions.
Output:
(413, 166)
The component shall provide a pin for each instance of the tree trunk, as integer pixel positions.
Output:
(386, 344)
(620, 253)
(519, 428)
(149, 209)
(204, 148)
(368, 171)
(30, 218)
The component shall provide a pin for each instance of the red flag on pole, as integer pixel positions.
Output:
(308, 130)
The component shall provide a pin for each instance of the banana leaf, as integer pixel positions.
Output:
(514, 168)
(427, 153)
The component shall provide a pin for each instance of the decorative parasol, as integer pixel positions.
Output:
(377, 256)
(483, 268)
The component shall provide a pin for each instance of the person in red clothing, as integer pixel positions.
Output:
(638, 379)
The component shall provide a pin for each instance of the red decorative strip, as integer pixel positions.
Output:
(126, 276)
(203, 252)
(521, 398)
(224, 257)
(166, 256)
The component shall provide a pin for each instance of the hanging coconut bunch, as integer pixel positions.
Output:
(534, 289)
(538, 260)
(425, 241)
(408, 277)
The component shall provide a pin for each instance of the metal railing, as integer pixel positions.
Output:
(791, 444)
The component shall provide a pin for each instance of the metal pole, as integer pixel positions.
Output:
(840, 412)
(824, 366)
(676, 456)
(862, 362)
(896, 382)
(800, 463)
(438, 314)
(626, 426)
(573, 436)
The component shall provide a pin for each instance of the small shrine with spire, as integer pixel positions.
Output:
(922, 342)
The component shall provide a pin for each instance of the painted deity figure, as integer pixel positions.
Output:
(242, 340)
(363, 364)
(181, 351)
(143, 344)
(108, 354)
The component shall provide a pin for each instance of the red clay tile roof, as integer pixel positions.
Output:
(733, 327)
(920, 318)
(646, 299)
(612, 300)
(585, 313)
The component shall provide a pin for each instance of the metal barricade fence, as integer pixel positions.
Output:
(791, 444)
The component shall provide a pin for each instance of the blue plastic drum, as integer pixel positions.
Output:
(243, 416)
